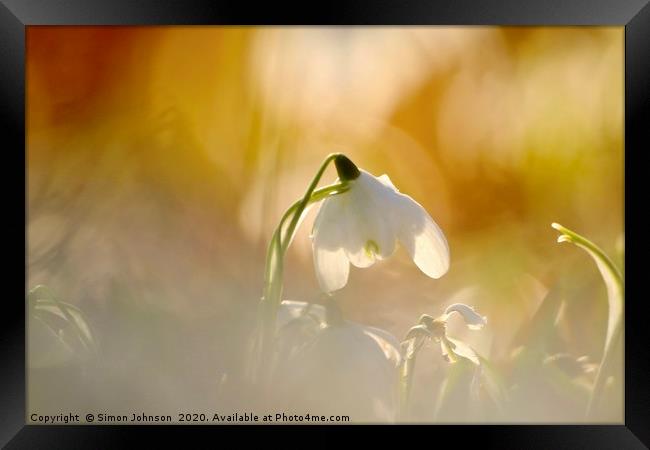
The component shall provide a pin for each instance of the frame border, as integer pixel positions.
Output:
(15, 15)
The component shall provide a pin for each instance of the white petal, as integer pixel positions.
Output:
(328, 236)
(421, 236)
(332, 269)
(357, 236)
(370, 235)
(379, 194)
(385, 180)
(474, 320)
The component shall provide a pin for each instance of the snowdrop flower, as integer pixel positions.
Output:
(436, 329)
(363, 224)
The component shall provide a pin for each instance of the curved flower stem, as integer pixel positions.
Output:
(615, 295)
(302, 204)
(412, 344)
(278, 246)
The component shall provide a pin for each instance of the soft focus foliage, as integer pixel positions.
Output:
(161, 159)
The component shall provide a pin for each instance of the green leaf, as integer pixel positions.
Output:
(611, 362)
(58, 331)
(455, 400)
(47, 347)
(462, 350)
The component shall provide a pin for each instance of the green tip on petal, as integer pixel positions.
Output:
(371, 248)
(346, 169)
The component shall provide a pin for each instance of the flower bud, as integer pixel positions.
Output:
(346, 169)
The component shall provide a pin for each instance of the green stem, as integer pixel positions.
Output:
(276, 251)
(316, 196)
(278, 245)
(305, 199)
(615, 297)
(406, 382)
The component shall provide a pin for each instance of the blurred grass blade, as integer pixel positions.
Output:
(539, 332)
(615, 291)
(415, 339)
(405, 384)
(494, 383)
(42, 302)
(77, 320)
(456, 400)
(47, 347)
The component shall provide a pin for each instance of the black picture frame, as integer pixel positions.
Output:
(15, 15)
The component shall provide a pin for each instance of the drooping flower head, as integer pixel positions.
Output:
(363, 225)
(474, 320)
(435, 329)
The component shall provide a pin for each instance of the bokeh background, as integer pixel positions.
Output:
(160, 159)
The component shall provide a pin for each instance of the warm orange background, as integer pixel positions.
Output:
(161, 158)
